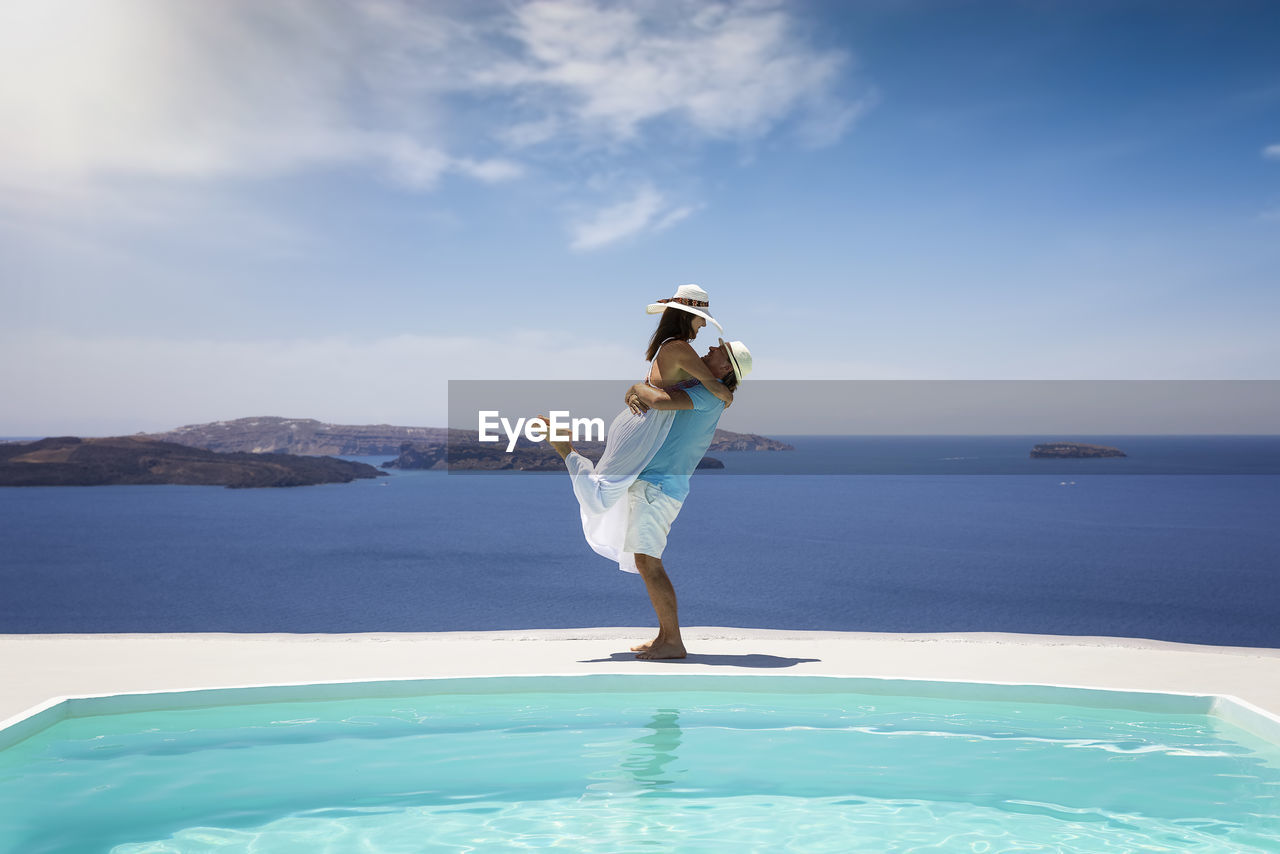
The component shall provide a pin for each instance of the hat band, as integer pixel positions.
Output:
(693, 303)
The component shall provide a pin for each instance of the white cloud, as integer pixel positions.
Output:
(97, 94)
(647, 210)
(245, 87)
(206, 90)
(524, 134)
(490, 171)
(827, 125)
(419, 166)
(723, 70)
(674, 216)
(1272, 152)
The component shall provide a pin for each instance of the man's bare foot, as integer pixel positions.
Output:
(564, 449)
(642, 647)
(661, 651)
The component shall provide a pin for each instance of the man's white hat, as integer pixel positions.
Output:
(739, 357)
(690, 298)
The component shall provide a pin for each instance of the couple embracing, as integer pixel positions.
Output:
(630, 498)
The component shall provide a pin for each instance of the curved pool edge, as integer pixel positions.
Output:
(114, 674)
(1235, 711)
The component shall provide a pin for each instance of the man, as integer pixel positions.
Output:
(655, 499)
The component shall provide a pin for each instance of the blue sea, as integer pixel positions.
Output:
(1079, 547)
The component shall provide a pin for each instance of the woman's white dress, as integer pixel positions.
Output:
(632, 442)
(601, 489)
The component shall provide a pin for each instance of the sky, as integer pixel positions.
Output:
(329, 208)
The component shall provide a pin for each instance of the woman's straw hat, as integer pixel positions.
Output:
(690, 298)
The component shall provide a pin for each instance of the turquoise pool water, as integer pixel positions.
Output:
(688, 767)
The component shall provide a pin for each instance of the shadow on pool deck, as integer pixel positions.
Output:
(754, 659)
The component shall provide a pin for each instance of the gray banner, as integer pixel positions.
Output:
(905, 427)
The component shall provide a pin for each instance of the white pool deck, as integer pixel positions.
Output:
(35, 669)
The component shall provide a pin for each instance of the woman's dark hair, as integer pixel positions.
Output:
(674, 323)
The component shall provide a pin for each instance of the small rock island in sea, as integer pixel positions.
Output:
(1073, 451)
(71, 461)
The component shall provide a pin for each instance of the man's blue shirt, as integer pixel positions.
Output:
(685, 445)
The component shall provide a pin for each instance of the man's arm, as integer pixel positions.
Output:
(642, 396)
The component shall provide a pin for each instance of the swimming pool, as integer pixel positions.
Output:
(639, 763)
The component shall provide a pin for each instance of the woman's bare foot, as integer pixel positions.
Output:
(564, 449)
(642, 647)
(661, 651)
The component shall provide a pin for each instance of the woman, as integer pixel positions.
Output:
(677, 365)
(635, 435)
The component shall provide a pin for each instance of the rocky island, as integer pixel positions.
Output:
(274, 435)
(414, 447)
(1073, 451)
(71, 461)
(727, 440)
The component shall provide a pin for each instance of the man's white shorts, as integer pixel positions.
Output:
(650, 512)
